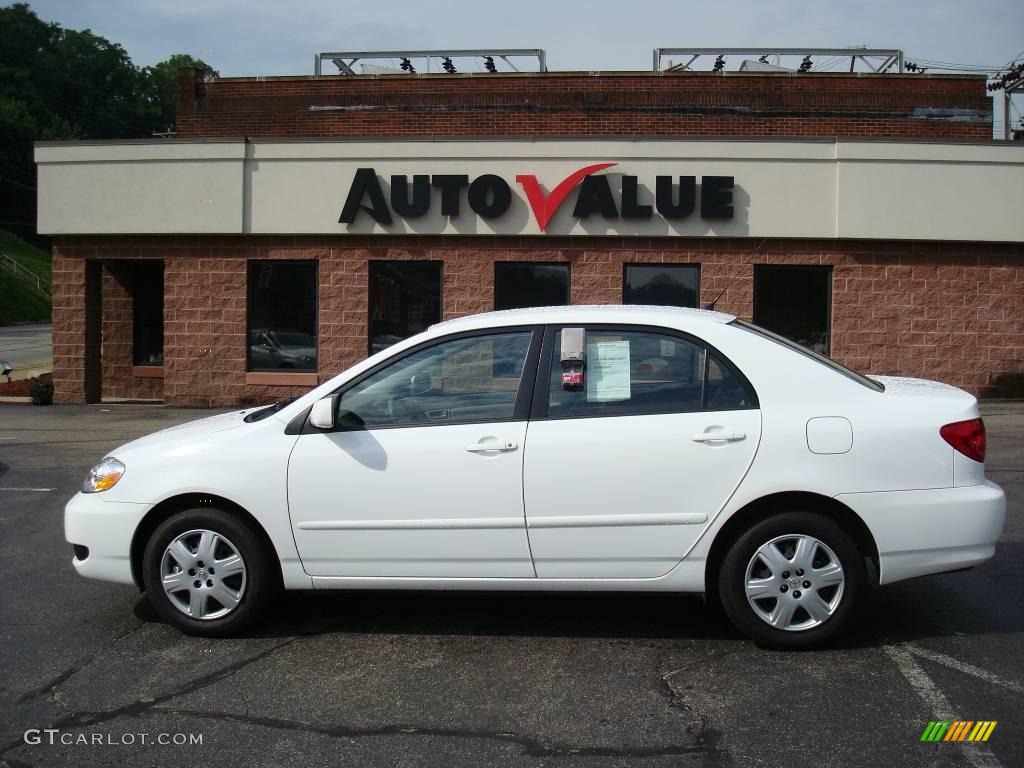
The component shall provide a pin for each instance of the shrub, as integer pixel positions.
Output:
(41, 389)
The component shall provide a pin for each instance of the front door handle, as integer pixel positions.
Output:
(492, 445)
(720, 436)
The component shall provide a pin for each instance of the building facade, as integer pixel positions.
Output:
(296, 225)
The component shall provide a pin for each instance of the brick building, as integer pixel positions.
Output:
(297, 224)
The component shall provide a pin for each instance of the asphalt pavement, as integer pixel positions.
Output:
(90, 677)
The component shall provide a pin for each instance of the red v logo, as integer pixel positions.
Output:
(544, 206)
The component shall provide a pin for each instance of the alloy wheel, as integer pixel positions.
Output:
(794, 582)
(203, 574)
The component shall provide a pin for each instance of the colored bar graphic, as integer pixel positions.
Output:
(958, 730)
(935, 730)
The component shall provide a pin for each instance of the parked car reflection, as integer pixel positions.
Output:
(281, 349)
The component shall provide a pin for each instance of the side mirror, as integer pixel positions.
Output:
(322, 414)
(421, 383)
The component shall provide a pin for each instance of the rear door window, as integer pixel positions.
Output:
(632, 372)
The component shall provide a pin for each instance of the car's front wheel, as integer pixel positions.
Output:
(792, 581)
(207, 573)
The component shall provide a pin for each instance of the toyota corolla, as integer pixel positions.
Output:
(570, 448)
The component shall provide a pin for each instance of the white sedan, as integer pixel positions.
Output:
(569, 448)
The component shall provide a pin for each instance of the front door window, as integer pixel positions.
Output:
(461, 381)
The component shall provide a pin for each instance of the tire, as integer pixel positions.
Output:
(782, 611)
(197, 599)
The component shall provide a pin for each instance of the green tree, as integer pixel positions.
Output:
(161, 85)
(58, 83)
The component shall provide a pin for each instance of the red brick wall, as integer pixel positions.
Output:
(946, 311)
(68, 327)
(572, 104)
(117, 337)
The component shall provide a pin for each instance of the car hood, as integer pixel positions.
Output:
(297, 351)
(190, 431)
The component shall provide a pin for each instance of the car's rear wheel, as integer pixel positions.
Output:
(207, 572)
(792, 581)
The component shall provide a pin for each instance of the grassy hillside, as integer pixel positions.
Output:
(26, 254)
(19, 301)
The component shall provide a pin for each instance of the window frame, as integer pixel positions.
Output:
(568, 283)
(539, 407)
(524, 394)
(655, 264)
(249, 266)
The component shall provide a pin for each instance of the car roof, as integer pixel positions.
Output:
(632, 314)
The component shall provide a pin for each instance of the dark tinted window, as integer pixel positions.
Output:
(148, 313)
(451, 382)
(795, 302)
(530, 285)
(282, 315)
(669, 285)
(630, 372)
(405, 299)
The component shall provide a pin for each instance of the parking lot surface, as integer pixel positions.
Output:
(403, 679)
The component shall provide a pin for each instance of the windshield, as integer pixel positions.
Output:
(826, 361)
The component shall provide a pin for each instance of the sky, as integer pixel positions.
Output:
(257, 37)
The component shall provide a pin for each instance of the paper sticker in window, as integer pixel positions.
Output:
(607, 371)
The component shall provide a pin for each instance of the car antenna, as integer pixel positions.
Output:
(711, 306)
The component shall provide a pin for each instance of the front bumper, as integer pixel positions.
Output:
(106, 528)
(931, 531)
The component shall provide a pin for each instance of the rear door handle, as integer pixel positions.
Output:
(492, 445)
(718, 437)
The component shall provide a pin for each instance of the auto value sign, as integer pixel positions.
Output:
(489, 196)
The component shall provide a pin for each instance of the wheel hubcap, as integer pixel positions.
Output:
(794, 582)
(203, 574)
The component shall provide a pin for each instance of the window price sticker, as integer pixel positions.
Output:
(607, 371)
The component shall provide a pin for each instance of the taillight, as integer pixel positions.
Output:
(968, 437)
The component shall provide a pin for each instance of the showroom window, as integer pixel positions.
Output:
(795, 302)
(524, 284)
(405, 298)
(148, 313)
(465, 380)
(630, 373)
(667, 285)
(282, 315)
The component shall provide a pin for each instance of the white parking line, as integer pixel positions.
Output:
(967, 669)
(30, 490)
(976, 753)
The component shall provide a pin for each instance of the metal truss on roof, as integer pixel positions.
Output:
(875, 60)
(426, 62)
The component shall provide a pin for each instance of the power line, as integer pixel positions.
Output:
(964, 65)
(12, 183)
(129, 122)
(15, 176)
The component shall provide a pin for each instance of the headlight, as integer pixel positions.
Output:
(103, 476)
